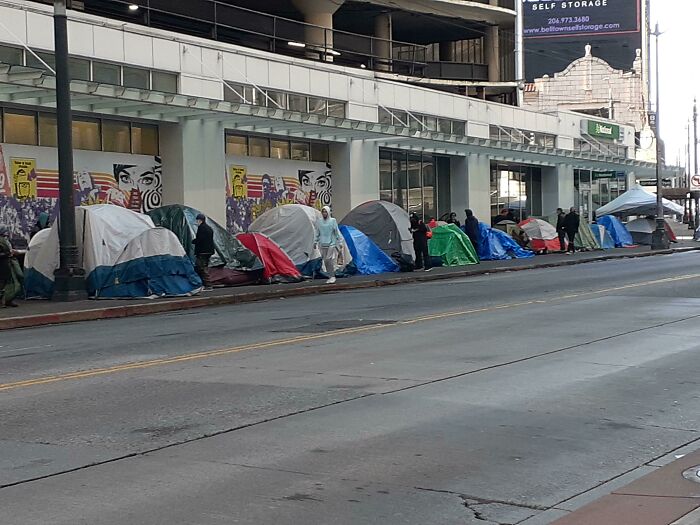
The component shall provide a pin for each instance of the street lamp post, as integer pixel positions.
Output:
(69, 283)
(659, 238)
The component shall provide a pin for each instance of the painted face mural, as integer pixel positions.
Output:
(316, 187)
(141, 185)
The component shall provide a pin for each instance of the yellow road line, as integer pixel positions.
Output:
(139, 365)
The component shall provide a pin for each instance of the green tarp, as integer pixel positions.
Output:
(585, 240)
(453, 246)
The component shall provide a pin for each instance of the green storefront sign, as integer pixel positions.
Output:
(603, 130)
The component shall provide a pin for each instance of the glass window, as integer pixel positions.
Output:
(415, 122)
(11, 55)
(116, 136)
(259, 147)
(384, 116)
(385, 175)
(48, 135)
(144, 139)
(79, 68)
(236, 145)
(297, 103)
(86, 134)
(136, 78)
(319, 152)
(301, 151)
(429, 188)
(494, 133)
(400, 118)
(234, 93)
(459, 127)
(445, 126)
(279, 149)
(279, 99)
(430, 123)
(33, 61)
(106, 73)
(336, 109)
(165, 82)
(442, 165)
(415, 194)
(20, 127)
(317, 106)
(399, 182)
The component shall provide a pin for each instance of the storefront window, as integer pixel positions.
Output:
(385, 176)
(320, 152)
(258, 147)
(20, 127)
(279, 149)
(86, 134)
(116, 136)
(415, 187)
(518, 188)
(429, 187)
(144, 139)
(47, 130)
(236, 145)
(301, 151)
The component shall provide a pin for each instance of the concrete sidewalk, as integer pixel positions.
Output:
(37, 313)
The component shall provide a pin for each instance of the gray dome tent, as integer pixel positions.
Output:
(388, 225)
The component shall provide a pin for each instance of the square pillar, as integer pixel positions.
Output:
(557, 188)
(355, 166)
(194, 166)
(470, 180)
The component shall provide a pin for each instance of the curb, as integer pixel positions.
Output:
(115, 312)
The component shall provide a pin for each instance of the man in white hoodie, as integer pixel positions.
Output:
(328, 239)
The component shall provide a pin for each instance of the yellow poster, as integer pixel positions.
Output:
(239, 184)
(24, 178)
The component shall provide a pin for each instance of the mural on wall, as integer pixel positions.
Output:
(254, 186)
(27, 189)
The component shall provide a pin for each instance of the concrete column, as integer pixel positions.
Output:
(557, 188)
(447, 52)
(492, 53)
(319, 13)
(383, 33)
(470, 185)
(194, 166)
(355, 175)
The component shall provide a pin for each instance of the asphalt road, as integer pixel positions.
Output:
(506, 398)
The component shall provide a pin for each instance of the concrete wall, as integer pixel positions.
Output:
(471, 185)
(355, 175)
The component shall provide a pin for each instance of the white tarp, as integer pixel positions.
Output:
(293, 228)
(637, 201)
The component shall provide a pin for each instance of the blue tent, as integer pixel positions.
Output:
(496, 245)
(620, 235)
(366, 256)
(603, 236)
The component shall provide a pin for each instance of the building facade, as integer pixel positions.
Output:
(163, 116)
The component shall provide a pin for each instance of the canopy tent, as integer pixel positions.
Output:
(232, 264)
(642, 230)
(293, 228)
(120, 253)
(278, 267)
(496, 245)
(542, 235)
(388, 225)
(620, 236)
(637, 201)
(367, 257)
(602, 236)
(585, 239)
(453, 246)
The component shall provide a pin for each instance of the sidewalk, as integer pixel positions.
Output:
(37, 313)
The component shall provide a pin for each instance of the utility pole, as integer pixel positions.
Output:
(69, 283)
(659, 239)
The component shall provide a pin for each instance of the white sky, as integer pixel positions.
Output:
(679, 69)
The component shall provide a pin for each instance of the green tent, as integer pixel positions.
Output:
(453, 246)
(585, 240)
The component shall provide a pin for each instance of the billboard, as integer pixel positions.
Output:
(557, 32)
(565, 18)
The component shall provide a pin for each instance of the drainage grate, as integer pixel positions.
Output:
(328, 326)
(692, 474)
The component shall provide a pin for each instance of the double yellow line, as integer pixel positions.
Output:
(140, 365)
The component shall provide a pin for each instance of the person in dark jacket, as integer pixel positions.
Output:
(471, 228)
(561, 216)
(6, 254)
(203, 249)
(452, 219)
(571, 224)
(420, 243)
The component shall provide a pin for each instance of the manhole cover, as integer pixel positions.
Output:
(328, 326)
(692, 474)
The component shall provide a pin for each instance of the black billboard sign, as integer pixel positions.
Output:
(567, 18)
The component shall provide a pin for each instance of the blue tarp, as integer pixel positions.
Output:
(496, 245)
(367, 256)
(617, 230)
(605, 241)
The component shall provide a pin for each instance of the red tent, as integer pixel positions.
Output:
(278, 267)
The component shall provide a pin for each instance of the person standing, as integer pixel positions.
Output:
(203, 249)
(561, 216)
(420, 243)
(571, 223)
(471, 228)
(6, 254)
(329, 240)
(452, 219)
